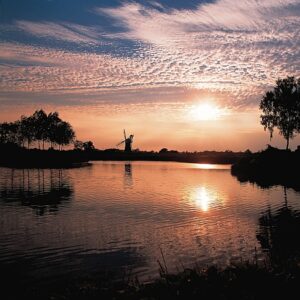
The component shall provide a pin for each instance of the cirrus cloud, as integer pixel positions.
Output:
(225, 47)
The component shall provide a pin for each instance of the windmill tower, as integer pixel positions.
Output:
(128, 142)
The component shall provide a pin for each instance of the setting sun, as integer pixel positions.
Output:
(142, 141)
(205, 112)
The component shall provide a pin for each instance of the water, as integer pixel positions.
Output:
(119, 217)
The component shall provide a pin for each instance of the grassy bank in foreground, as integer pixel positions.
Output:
(245, 281)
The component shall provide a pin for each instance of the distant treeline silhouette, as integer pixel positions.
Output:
(40, 128)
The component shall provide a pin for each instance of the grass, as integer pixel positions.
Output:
(241, 281)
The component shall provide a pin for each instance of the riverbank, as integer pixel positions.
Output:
(17, 157)
(269, 167)
(242, 281)
(208, 157)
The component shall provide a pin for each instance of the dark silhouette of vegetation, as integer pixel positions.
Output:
(40, 128)
(269, 167)
(13, 156)
(213, 157)
(43, 131)
(84, 146)
(281, 108)
(278, 235)
(241, 281)
(165, 150)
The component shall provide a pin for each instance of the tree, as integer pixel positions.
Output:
(27, 129)
(281, 108)
(38, 127)
(88, 146)
(63, 133)
(4, 133)
(163, 150)
(78, 145)
(53, 121)
(10, 133)
(41, 126)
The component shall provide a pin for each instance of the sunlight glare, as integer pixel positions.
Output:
(207, 166)
(212, 166)
(204, 198)
(205, 112)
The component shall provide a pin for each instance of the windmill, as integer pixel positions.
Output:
(128, 142)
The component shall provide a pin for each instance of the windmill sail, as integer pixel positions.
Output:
(128, 142)
(120, 143)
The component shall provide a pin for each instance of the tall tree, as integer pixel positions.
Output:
(38, 127)
(281, 108)
(27, 129)
(53, 121)
(63, 134)
(41, 126)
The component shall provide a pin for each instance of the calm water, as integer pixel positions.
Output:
(118, 217)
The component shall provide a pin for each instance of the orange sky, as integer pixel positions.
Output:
(170, 125)
(149, 67)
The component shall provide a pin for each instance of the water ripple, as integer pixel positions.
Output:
(114, 217)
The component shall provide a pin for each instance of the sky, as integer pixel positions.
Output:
(185, 75)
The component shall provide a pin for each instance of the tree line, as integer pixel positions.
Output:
(40, 128)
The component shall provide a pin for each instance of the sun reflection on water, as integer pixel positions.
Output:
(204, 198)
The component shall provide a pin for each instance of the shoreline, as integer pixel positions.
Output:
(269, 167)
(12, 156)
(245, 280)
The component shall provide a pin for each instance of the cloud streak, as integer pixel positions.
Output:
(224, 48)
(162, 26)
(63, 31)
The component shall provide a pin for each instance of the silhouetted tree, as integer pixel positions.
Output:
(59, 132)
(88, 146)
(27, 129)
(163, 150)
(85, 146)
(10, 133)
(4, 132)
(36, 128)
(78, 145)
(53, 120)
(63, 134)
(41, 126)
(281, 108)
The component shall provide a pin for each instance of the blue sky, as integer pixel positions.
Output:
(80, 12)
(127, 55)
